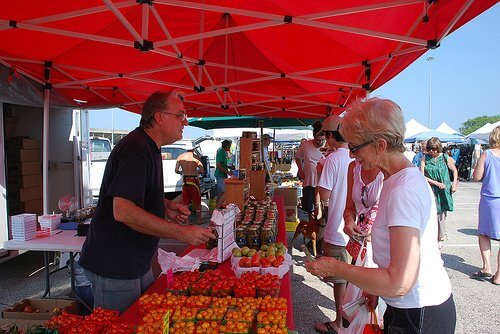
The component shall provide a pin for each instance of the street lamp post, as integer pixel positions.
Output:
(430, 59)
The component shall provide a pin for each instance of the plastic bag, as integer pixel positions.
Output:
(357, 325)
(353, 294)
(168, 260)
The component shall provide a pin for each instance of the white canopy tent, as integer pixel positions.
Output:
(484, 131)
(414, 128)
(447, 129)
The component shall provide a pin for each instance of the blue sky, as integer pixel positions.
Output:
(465, 78)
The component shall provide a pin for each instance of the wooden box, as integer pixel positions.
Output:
(237, 192)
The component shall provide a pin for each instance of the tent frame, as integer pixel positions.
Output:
(139, 39)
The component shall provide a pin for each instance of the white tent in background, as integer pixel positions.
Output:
(414, 128)
(447, 129)
(484, 131)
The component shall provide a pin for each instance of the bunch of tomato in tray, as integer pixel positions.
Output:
(212, 315)
(100, 321)
(65, 319)
(253, 284)
(169, 300)
(102, 315)
(183, 281)
(269, 303)
(268, 285)
(119, 328)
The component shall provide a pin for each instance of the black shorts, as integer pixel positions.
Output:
(430, 319)
(308, 198)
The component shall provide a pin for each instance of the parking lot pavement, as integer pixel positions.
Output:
(477, 302)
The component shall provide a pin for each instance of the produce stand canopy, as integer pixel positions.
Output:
(276, 58)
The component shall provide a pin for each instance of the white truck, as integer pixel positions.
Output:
(101, 149)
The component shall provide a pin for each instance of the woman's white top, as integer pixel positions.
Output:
(407, 200)
(372, 190)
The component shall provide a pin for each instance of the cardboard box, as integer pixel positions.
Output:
(25, 181)
(33, 206)
(22, 324)
(44, 307)
(290, 213)
(25, 194)
(289, 194)
(19, 143)
(10, 127)
(24, 168)
(24, 155)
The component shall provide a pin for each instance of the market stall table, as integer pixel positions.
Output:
(57, 241)
(133, 316)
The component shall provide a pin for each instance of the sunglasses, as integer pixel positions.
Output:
(363, 194)
(354, 149)
(432, 149)
(182, 116)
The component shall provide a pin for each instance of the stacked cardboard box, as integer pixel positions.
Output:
(24, 176)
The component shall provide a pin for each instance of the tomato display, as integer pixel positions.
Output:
(63, 320)
(207, 327)
(119, 328)
(102, 315)
(213, 313)
(235, 327)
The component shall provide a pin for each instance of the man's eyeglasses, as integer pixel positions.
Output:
(354, 149)
(182, 116)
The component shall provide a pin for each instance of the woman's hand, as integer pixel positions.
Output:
(322, 267)
(440, 185)
(176, 211)
(454, 186)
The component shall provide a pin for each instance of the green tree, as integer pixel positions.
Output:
(475, 123)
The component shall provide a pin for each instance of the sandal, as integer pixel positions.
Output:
(479, 275)
(325, 328)
(492, 280)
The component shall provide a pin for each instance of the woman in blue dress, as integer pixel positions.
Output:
(488, 170)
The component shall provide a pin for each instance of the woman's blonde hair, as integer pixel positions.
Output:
(495, 137)
(373, 119)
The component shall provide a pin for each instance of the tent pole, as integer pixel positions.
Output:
(45, 150)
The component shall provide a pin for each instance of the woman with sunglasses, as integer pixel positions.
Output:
(411, 277)
(435, 166)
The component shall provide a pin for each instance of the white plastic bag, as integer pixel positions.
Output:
(358, 323)
(353, 295)
(169, 260)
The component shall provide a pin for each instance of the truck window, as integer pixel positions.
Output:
(99, 145)
(171, 153)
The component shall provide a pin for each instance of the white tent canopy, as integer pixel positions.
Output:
(447, 129)
(414, 128)
(484, 131)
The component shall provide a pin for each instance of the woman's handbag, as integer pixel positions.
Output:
(372, 327)
(450, 172)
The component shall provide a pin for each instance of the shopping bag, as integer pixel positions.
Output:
(372, 327)
(353, 295)
(357, 325)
